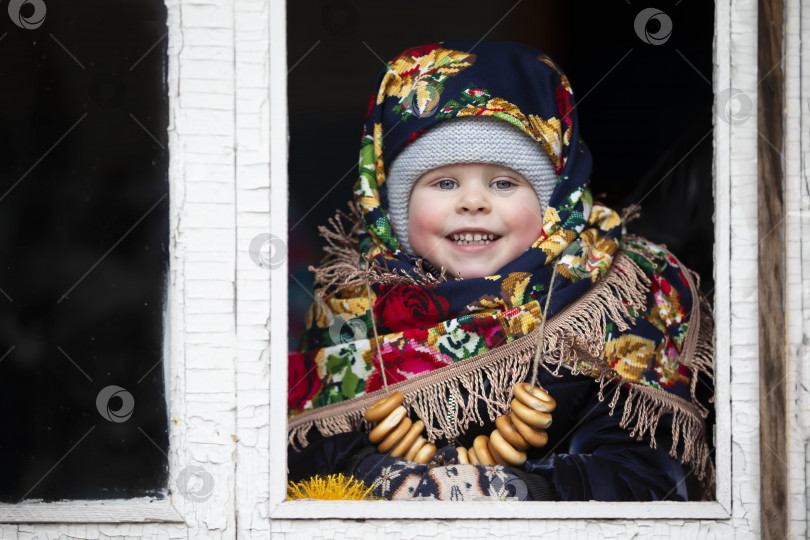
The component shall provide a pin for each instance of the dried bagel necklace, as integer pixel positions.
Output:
(514, 433)
(395, 433)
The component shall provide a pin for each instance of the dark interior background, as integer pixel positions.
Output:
(84, 190)
(84, 246)
(645, 110)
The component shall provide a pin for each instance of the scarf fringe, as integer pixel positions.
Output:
(346, 267)
(702, 360)
(581, 327)
(574, 338)
(430, 403)
(330, 425)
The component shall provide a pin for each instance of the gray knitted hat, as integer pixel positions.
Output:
(473, 139)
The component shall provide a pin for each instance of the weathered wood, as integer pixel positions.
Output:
(98, 512)
(561, 510)
(797, 261)
(772, 368)
(199, 30)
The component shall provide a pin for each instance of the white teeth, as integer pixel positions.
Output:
(470, 239)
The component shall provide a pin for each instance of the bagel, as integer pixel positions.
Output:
(395, 436)
(463, 458)
(383, 407)
(417, 445)
(536, 438)
(472, 457)
(506, 450)
(508, 432)
(408, 440)
(425, 453)
(481, 450)
(387, 425)
(495, 455)
(535, 398)
(536, 419)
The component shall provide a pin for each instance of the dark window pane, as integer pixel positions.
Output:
(84, 246)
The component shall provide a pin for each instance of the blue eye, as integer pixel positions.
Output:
(446, 183)
(503, 184)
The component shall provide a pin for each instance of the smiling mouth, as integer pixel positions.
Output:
(473, 239)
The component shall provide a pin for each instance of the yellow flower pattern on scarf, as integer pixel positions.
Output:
(406, 72)
(630, 355)
(511, 295)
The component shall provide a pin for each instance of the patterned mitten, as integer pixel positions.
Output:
(470, 483)
(442, 478)
(393, 478)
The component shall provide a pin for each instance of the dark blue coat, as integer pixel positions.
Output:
(588, 456)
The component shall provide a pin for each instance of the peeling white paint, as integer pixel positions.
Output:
(797, 258)
(227, 65)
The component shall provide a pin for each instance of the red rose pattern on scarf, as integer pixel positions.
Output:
(408, 306)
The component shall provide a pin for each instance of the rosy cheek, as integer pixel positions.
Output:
(423, 214)
(419, 225)
(529, 223)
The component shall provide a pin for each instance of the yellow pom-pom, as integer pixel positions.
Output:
(334, 487)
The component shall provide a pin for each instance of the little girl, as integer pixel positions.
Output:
(472, 224)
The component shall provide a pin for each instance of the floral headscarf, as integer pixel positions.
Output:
(620, 310)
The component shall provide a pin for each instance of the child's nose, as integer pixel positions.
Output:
(473, 201)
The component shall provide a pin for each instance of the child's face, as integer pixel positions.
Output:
(452, 203)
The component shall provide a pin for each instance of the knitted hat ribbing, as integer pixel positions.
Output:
(476, 139)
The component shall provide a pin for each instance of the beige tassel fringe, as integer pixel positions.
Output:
(346, 268)
(574, 338)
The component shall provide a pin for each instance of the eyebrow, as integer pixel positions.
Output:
(487, 167)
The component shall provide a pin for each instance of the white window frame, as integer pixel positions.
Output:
(731, 184)
(227, 399)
